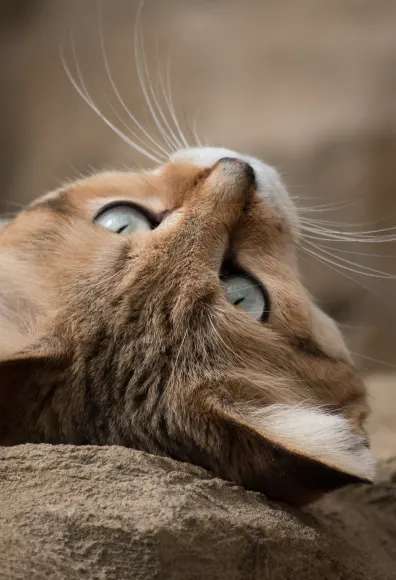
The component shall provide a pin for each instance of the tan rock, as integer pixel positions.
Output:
(115, 513)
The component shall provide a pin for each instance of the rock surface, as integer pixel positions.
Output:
(115, 513)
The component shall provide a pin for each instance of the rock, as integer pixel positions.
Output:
(115, 513)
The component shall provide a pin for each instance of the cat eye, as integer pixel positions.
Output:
(246, 294)
(124, 218)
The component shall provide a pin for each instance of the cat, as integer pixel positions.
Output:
(163, 310)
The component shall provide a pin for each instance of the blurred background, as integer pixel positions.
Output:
(308, 86)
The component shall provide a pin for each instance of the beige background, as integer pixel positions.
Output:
(309, 86)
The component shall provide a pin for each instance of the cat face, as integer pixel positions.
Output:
(163, 310)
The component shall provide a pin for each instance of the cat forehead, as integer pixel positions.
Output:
(158, 189)
(105, 187)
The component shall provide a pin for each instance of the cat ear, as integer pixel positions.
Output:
(23, 311)
(24, 316)
(296, 453)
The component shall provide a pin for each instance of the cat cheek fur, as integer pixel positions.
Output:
(131, 341)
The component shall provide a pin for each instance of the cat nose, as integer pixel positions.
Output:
(212, 209)
(230, 185)
(235, 165)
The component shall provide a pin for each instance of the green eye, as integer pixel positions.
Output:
(123, 219)
(246, 294)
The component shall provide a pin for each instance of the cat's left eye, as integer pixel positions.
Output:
(124, 219)
(246, 294)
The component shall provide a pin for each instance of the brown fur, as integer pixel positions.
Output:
(131, 340)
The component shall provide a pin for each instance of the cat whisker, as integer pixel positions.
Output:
(336, 268)
(169, 139)
(15, 204)
(164, 122)
(149, 148)
(158, 149)
(316, 233)
(332, 224)
(84, 94)
(354, 253)
(175, 367)
(167, 93)
(173, 110)
(222, 341)
(195, 131)
(325, 207)
(328, 227)
(364, 270)
(364, 233)
(372, 359)
(190, 132)
(147, 90)
(353, 326)
(193, 137)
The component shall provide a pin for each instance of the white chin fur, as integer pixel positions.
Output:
(314, 433)
(269, 183)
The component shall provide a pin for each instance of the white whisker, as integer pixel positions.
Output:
(332, 206)
(13, 203)
(317, 233)
(365, 270)
(364, 233)
(155, 101)
(329, 263)
(332, 224)
(148, 148)
(169, 100)
(376, 360)
(195, 131)
(142, 71)
(222, 341)
(84, 94)
(354, 253)
(160, 150)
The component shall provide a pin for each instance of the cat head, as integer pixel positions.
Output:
(163, 310)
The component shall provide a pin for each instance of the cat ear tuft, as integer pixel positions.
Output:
(299, 453)
(319, 435)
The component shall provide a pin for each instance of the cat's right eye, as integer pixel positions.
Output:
(124, 219)
(246, 294)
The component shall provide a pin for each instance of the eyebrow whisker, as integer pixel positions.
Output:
(84, 94)
(159, 148)
(151, 100)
